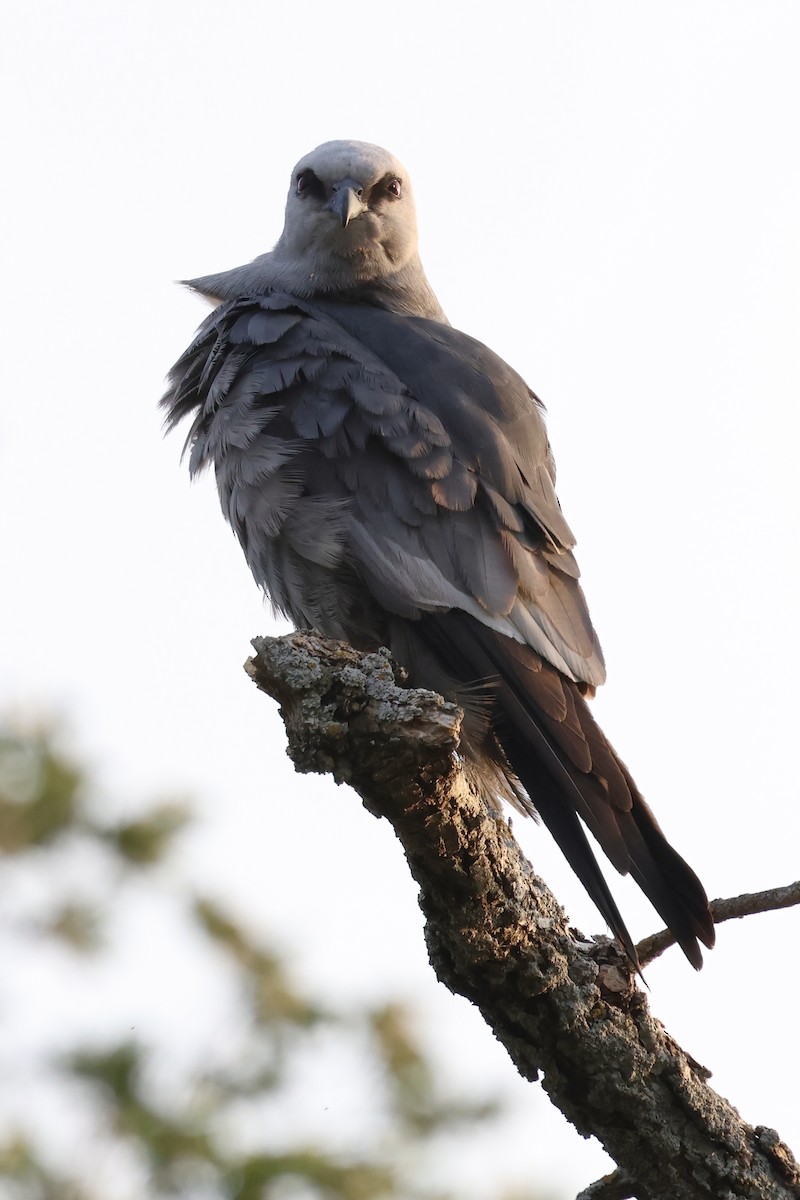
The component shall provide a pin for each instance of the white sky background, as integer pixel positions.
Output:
(608, 196)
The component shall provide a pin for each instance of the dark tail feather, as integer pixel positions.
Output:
(670, 884)
(569, 834)
(666, 879)
(573, 776)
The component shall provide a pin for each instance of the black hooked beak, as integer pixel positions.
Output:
(346, 200)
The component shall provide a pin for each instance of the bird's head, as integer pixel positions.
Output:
(350, 216)
(351, 227)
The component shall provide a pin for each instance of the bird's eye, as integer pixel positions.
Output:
(306, 182)
(393, 187)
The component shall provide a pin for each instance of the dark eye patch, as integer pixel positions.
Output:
(389, 188)
(308, 182)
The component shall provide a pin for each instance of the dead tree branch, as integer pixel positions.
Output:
(567, 1011)
(725, 910)
(616, 1186)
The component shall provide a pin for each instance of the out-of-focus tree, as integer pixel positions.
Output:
(229, 1124)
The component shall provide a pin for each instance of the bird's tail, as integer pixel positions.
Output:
(574, 778)
(548, 800)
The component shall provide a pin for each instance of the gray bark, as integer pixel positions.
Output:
(568, 1011)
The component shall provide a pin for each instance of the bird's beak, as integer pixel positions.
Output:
(346, 200)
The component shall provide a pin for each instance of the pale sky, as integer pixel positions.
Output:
(608, 196)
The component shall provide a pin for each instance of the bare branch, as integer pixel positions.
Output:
(616, 1186)
(567, 1010)
(725, 910)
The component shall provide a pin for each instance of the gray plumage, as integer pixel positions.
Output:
(391, 482)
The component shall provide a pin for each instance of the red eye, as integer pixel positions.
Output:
(393, 187)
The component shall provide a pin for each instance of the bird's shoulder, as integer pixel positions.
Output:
(430, 394)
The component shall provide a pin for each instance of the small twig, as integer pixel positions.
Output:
(616, 1186)
(725, 910)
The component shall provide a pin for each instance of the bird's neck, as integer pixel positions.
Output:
(405, 290)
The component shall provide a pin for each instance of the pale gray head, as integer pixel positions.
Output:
(350, 226)
(350, 215)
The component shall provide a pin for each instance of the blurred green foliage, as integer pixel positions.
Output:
(185, 1145)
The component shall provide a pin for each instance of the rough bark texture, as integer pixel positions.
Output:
(567, 1011)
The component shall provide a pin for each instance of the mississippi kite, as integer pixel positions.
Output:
(391, 483)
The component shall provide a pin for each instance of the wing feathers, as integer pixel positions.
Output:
(390, 479)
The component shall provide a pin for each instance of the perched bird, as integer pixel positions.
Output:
(391, 483)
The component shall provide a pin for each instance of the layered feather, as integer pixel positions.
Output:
(390, 480)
